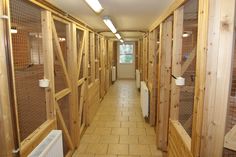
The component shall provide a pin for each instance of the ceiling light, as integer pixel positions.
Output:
(109, 24)
(13, 30)
(95, 5)
(121, 40)
(186, 34)
(118, 36)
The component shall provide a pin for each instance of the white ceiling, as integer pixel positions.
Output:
(125, 14)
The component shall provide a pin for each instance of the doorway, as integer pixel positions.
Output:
(126, 60)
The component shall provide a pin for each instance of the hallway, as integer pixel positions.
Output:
(118, 129)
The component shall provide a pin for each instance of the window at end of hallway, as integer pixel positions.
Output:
(126, 53)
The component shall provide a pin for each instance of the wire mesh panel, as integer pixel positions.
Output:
(231, 113)
(80, 51)
(28, 64)
(188, 66)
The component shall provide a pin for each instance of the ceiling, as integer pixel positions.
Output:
(127, 15)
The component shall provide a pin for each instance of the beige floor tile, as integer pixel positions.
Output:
(113, 124)
(122, 149)
(82, 148)
(129, 139)
(97, 149)
(111, 139)
(90, 139)
(121, 118)
(119, 131)
(147, 140)
(90, 130)
(84, 155)
(150, 131)
(136, 119)
(139, 150)
(137, 131)
(155, 151)
(128, 124)
(102, 131)
(107, 155)
(128, 156)
(98, 124)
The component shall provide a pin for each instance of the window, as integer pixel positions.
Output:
(126, 53)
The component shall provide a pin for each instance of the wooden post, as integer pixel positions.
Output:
(85, 73)
(176, 61)
(6, 134)
(214, 55)
(48, 62)
(165, 73)
(72, 71)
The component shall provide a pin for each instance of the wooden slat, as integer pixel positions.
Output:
(200, 75)
(189, 61)
(80, 82)
(176, 61)
(60, 54)
(64, 127)
(6, 132)
(165, 73)
(48, 61)
(81, 104)
(62, 94)
(218, 72)
(72, 71)
(36, 137)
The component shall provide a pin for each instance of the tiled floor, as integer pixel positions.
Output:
(118, 129)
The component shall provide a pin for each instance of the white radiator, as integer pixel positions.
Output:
(144, 99)
(51, 146)
(138, 79)
(113, 73)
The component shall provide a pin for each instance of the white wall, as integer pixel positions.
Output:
(125, 71)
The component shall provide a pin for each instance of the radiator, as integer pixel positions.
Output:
(51, 146)
(113, 73)
(138, 79)
(144, 99)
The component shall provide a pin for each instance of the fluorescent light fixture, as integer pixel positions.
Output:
(109, 24)
(118, 36)
(186, 34)
(121, 40)
(13, 30)
(62, 39)
(95, 5)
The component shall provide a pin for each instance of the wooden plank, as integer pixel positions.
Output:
(189, 61)
(218, 72)
(62, 93)
(230, 139)
(64, 127)
(200, 76)
(176, 4)
(81, 105)
(48, 62)
(176, 61)
(59, 53)
(33, 140)
(179, 141)
(72, 71)
(165, 73)
(80, 82)
(6, 132)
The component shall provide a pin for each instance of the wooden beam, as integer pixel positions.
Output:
(72, 71)
(48, 62)
(165, 73)
(62, 93)
(218, 72)
(6, 133)
(176, 61)
(203, 17)
(176, 4)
